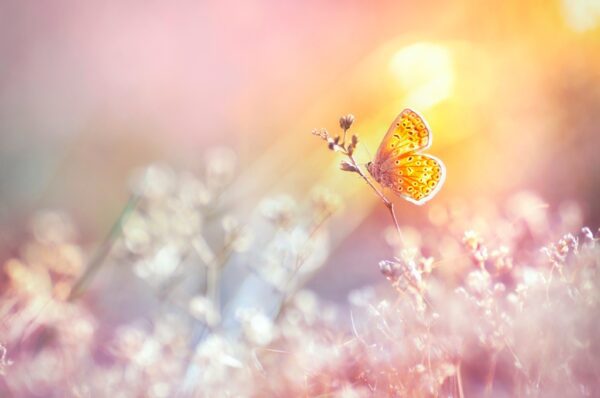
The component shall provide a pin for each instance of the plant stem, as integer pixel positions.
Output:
(461, 393)
(300, 260)
(212, 284)
(104, 249)
(348, 150)
(214, 264)
(489, 383)
(388, 203)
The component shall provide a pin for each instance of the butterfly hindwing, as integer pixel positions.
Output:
(416, 177)
(409, 132)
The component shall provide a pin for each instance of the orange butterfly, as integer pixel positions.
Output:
(398, 165)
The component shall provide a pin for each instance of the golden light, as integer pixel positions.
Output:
(581, 15)
(425, 72)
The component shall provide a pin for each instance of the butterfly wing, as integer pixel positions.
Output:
(409, 132)
(414, 176)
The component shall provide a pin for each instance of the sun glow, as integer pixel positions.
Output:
(425, 72)
(581, 15)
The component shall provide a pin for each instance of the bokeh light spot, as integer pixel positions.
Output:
(424, 71)
(581, 15)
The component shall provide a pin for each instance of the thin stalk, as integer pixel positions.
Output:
(384, 199)
(214, 264)
(489, 383)
(212, 284)
(388, 203)
(104, 249)
(461, 393)
(300, 259)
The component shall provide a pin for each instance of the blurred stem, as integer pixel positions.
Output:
(461, 393)
(489, 382)
(300, 260)
(214, 211)
(104, 249)
(212, 283)
(214, 263)
(303, 255)
(348, 150)
(388, 203)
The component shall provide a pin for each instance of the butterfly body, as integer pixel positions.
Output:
(400, 166)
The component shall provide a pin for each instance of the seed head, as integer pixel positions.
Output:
(347, 166)
(346, 121)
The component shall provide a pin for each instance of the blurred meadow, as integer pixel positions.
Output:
(169, 226)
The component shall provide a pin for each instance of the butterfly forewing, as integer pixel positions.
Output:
(409, 132)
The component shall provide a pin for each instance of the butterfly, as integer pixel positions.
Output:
(400, 166)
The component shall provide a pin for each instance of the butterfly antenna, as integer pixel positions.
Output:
(366, 149)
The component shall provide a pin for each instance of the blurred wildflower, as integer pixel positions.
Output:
(403, 274)
(4, 362)
(324, 202)
(519, 323)
(202, 308)
(154, 182)
(280, 210)
(478, 281)
(220, 167)
(257, 327)
(217, 360)
(238, 237)
(160, 267)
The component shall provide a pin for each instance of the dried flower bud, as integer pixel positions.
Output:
(331, 144)
(478, 281)
(350, 150)
(471, 239)
(346, 121)
(347, 166)
(589, 240)
(354, 140)
(426, 264)
(499, 288)
(589, 235)
(388, 269)
(404, 275)
(321, 133)
(3, 361)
